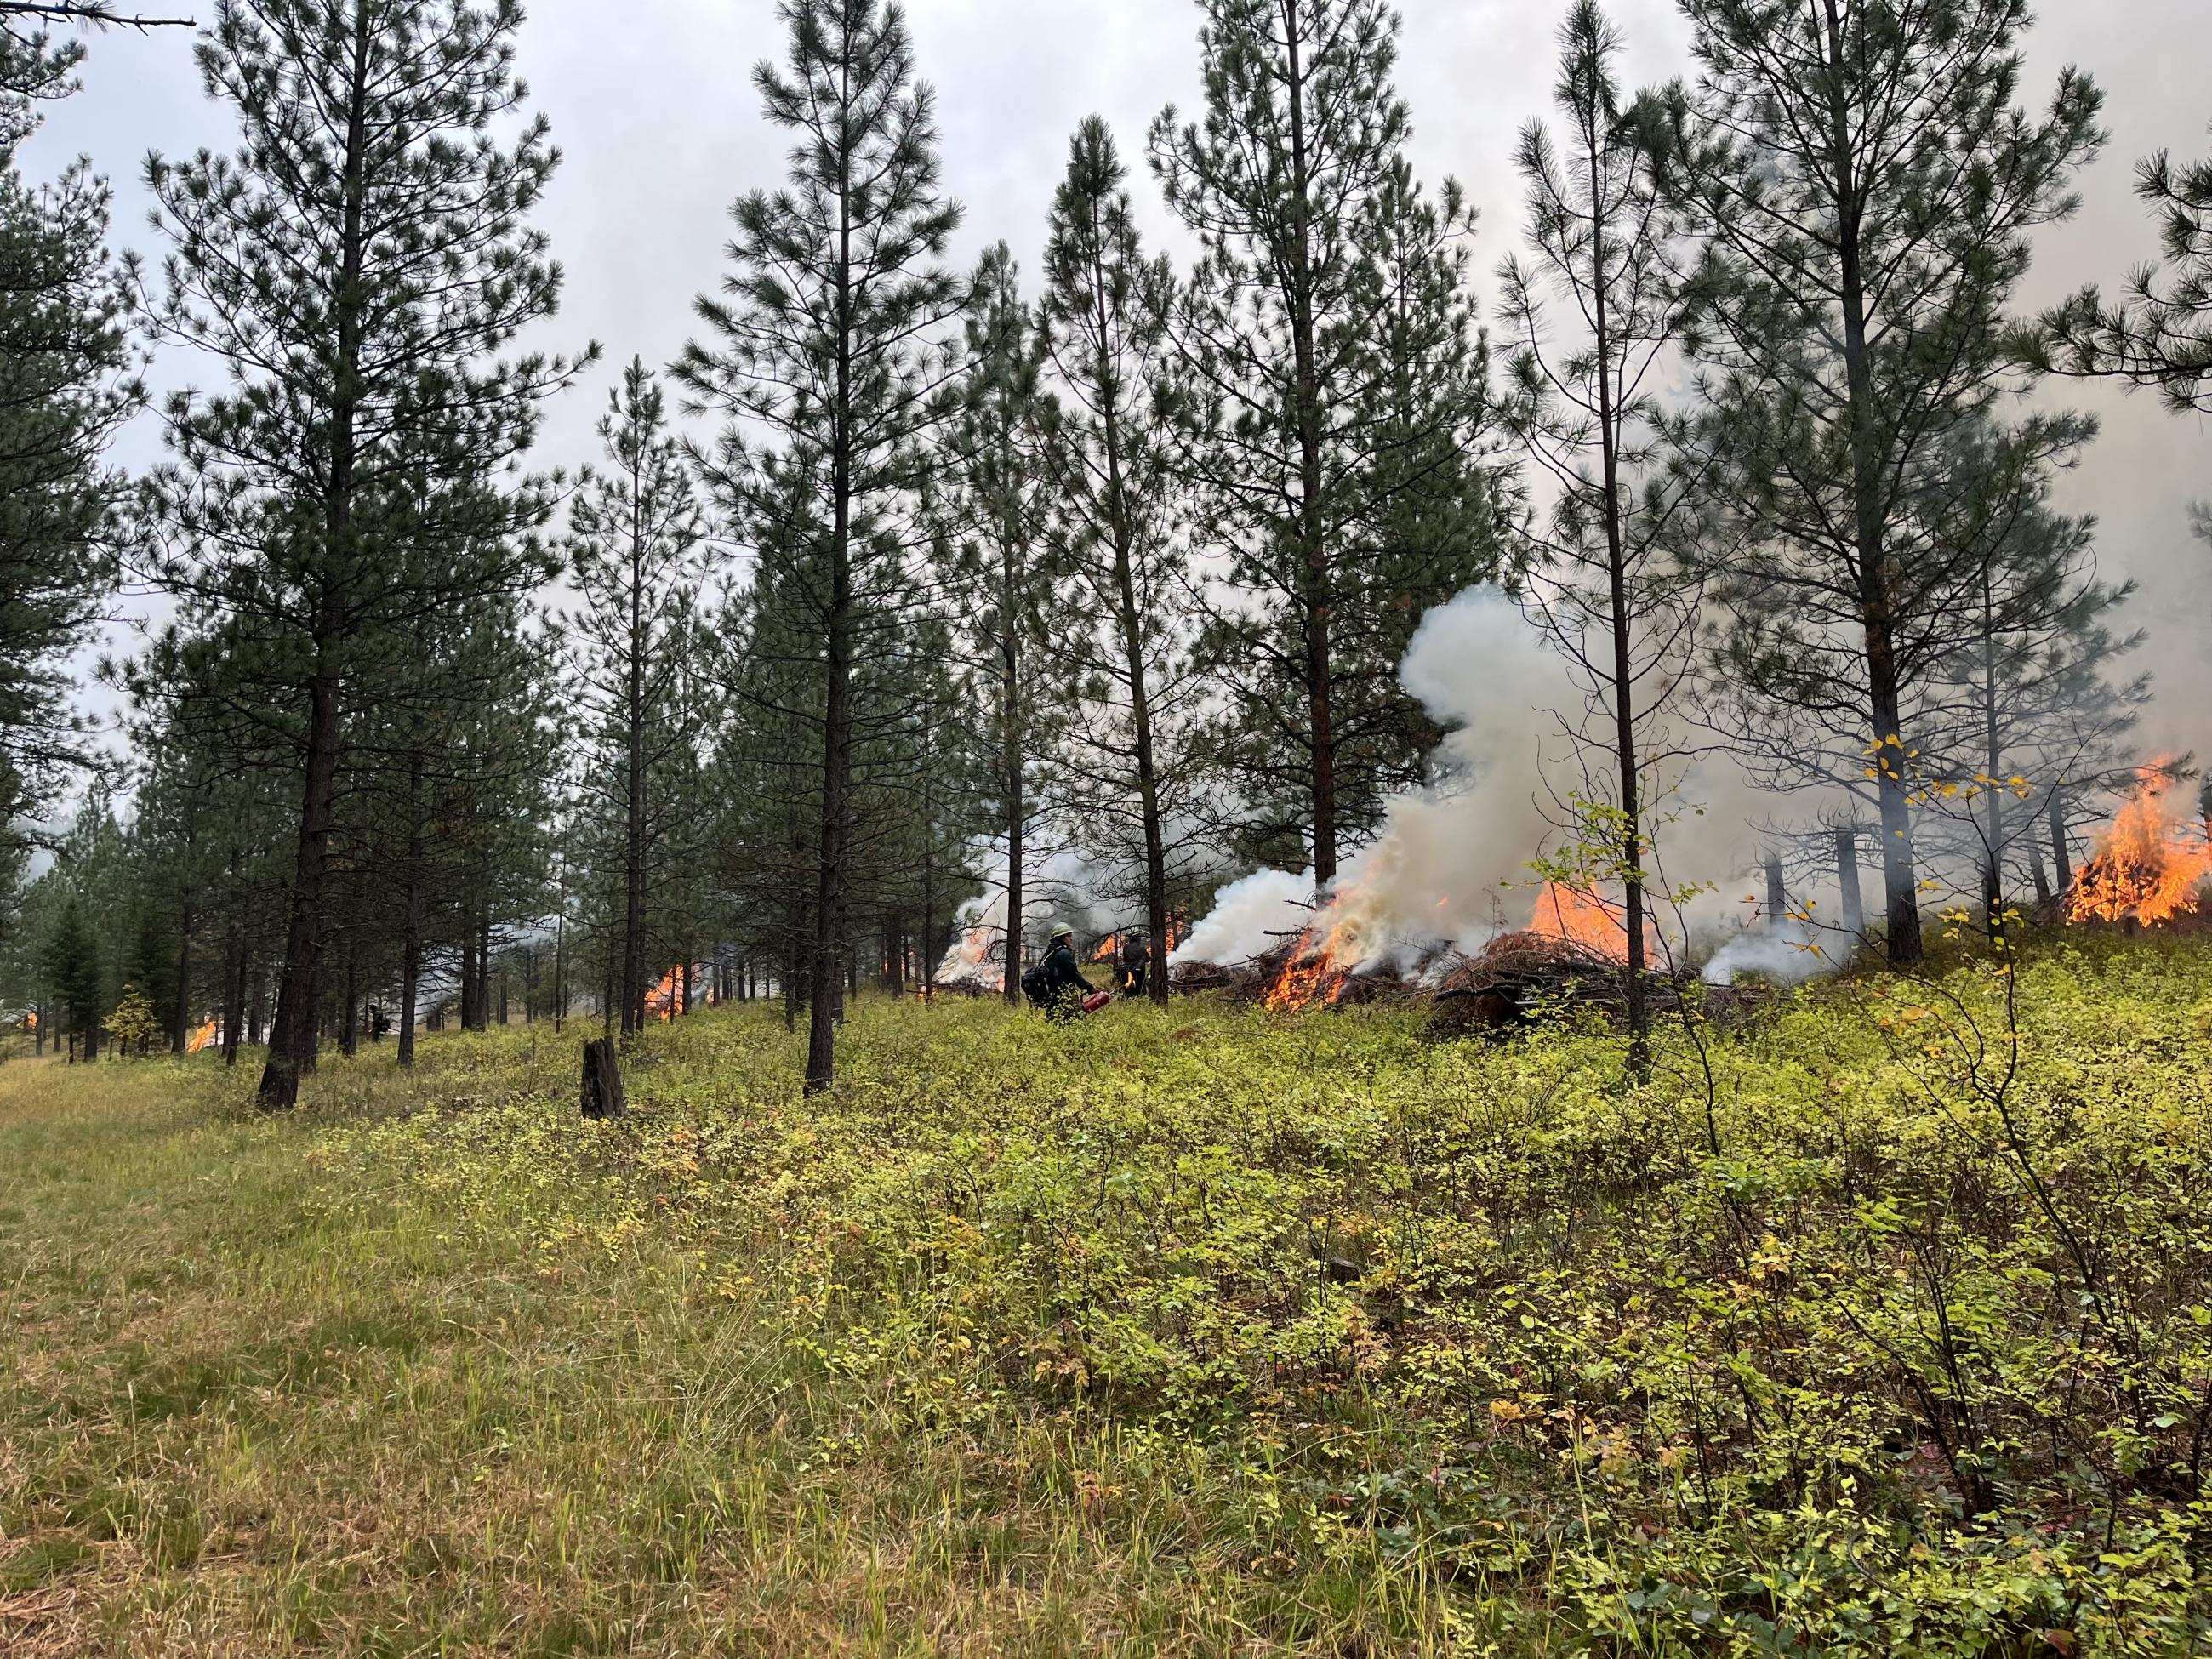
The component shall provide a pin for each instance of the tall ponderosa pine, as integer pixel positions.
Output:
(1105, 319)
(998, 576)
(1589, 414)
(636, 539)
(1863, 187)
(827, 358)
(355, 267)
(1316, 404)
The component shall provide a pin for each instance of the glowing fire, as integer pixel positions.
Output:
(1321, 962)
(1106, 949)
(1579, 918)
(2148, 868)
(665, 999)
(969, 961)
(203, 1038)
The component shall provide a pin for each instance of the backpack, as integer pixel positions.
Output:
(1035, 987)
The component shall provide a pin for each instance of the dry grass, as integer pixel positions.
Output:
(240, 1417)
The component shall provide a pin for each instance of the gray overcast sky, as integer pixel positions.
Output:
(651, 102)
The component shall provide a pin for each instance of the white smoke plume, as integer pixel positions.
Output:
(1249, 918)
(1452, 865)
(1452, 857)
(1788, 954)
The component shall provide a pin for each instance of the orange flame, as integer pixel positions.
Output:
(661, 1002)
(1317, 970)
(1579, 918)
(969, 961)
(1106, 949)
(203, 1038)
(2148, 868)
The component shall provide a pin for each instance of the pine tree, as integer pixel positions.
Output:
(1314, 403)
(636, 542)
(1104, 322)
(768, 754)
(2026, 706)
(355, 267)
(999, 577)
(66, 386)
(1589, 412)
(828, 344)
(70, 959)
(1863, 188)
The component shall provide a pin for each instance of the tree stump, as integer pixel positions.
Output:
(603, 1083)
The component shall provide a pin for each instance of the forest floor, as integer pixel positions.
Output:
(1203, 1332)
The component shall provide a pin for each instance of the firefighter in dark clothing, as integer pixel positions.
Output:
(1061, 989)
(1136, 958)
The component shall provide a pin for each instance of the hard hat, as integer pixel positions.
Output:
(1063, 931)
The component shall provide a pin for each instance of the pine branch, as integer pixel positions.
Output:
(92, 12)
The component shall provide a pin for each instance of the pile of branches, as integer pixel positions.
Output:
(1518, 979)
(1254, 980)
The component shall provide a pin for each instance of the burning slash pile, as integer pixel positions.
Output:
(2148, 868)
(1318, 967)
(1571, 953)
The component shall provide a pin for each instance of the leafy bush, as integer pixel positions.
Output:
(1878, 1324)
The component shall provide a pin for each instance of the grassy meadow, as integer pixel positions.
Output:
(1859, 1328)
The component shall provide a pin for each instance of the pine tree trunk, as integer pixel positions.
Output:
(1316, 600)
(1993, 897)
(410, 977)
(410, 942)
(2062, 856)
(1847, 876)
(1778, 895)
(233, 994)
(634, 986)
(837, 702)
(1017, 808)
(929, 960)
(560, 968)
(1900, 881)
(1630, 850)
(292, 1042)
(180, 1034)
(292, 1039)
(349, 1036)
(467, 997)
